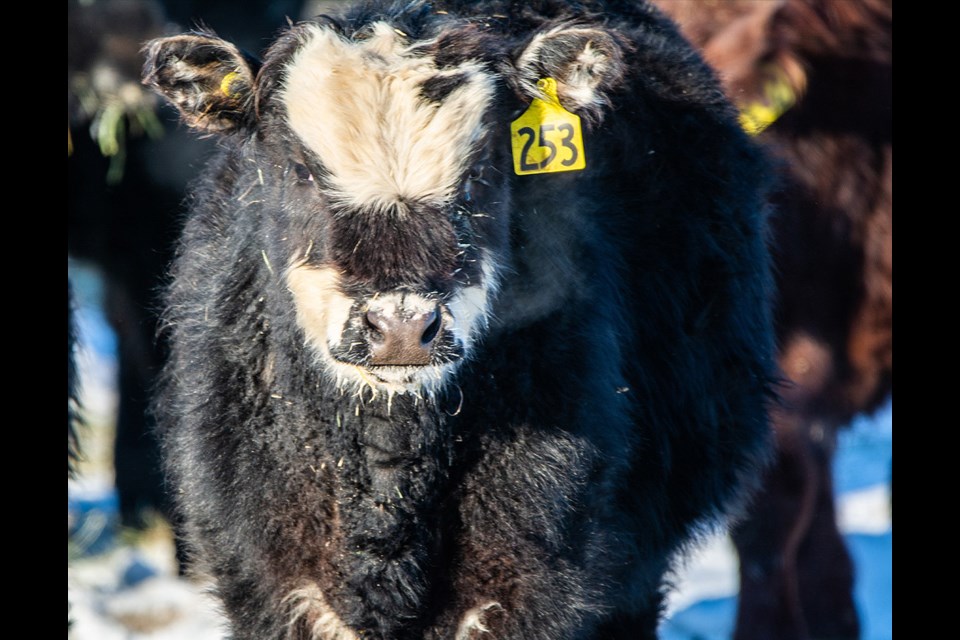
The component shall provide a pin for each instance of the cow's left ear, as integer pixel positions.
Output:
(208, 79)
(586, 62)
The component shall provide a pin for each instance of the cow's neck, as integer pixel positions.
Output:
(399, 451)
(391, 461)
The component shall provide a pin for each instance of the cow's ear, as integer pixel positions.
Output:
(586, 62)
(208, 79)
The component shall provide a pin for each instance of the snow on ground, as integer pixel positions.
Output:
(704, 606)
(121, 591)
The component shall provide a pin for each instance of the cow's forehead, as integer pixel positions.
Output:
(360, 106)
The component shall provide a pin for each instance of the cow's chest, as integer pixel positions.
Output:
(385, 475)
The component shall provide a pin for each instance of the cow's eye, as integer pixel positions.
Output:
(473, 179)
(302, 172)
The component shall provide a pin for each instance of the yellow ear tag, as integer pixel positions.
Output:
(547, 138)
(225, 83)
(778, 98)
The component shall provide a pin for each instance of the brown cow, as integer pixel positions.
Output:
(815, 76)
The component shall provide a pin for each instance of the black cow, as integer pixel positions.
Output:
(469, 324)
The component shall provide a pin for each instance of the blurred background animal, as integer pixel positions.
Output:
(129, 164)
(813, 81)
(121, 217)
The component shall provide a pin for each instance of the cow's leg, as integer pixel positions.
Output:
(768, 541)
(528, 559)
(825, 571)
(508, 592)
(542, 601)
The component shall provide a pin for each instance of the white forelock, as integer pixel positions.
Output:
(359, 106)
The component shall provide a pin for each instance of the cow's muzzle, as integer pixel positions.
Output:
(402, 340)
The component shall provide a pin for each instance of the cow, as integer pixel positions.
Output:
(470, 322)
(814, 81)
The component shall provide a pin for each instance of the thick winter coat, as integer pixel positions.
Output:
(470, 320)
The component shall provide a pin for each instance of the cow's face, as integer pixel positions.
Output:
(398, 161)
(390, 161)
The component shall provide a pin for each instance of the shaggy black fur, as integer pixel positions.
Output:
(614, 409)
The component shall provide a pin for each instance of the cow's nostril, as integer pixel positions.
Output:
(432, 329)
(375, 321)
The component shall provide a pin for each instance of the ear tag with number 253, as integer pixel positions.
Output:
(547, 138)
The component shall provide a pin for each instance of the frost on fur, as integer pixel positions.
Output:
(413, 394)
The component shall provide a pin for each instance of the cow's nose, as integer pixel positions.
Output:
(400, 340)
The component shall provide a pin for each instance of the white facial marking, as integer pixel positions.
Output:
(323, 313)
(322, 310)
(470, 307)
(358, 106)
(401, 304)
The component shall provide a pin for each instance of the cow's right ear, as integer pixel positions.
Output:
(208, 79)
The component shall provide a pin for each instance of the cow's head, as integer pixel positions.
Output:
(384, 160)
